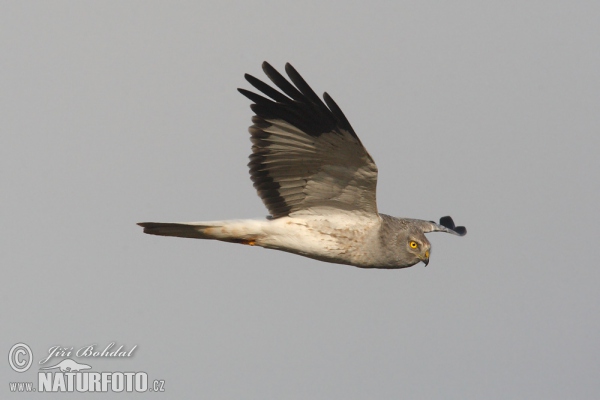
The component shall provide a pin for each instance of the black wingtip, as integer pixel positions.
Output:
(268, 69)
(461, 230)
(447, 222)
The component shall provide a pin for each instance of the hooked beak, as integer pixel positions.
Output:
(425, 258)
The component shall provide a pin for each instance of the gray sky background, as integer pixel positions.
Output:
(120, 112)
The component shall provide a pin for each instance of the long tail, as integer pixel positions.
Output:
(185, 230)
(235, 231)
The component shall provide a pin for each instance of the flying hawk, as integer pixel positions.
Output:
(318, 182)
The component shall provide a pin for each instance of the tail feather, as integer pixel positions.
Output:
(176, 229)
(235, 231)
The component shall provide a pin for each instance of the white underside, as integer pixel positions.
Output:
(337, 237)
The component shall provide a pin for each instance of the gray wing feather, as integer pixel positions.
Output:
(305, 154)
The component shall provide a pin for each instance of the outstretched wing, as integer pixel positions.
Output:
(305, 155)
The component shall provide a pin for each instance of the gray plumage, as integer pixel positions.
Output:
(319, 184)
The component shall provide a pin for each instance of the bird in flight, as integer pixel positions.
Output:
(318, 182)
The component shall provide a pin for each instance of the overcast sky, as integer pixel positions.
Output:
(117, 112)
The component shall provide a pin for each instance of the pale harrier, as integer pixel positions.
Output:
(318, 182)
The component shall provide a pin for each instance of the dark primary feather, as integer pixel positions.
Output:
(446, 225)
(303, 108)
(266, 89)
(301, 84)
(449, 223)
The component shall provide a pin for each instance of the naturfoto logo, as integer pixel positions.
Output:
(69, 375)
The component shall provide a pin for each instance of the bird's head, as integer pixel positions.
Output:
(418, 247)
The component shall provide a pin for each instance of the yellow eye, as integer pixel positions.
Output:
(413, 244)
